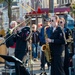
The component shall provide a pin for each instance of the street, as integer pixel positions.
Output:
(36, 68)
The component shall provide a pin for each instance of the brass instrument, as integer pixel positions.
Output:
(11, 30)
(46, 48)
(70, 40)
(28, 20)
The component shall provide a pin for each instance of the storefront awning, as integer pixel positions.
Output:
(46, 10)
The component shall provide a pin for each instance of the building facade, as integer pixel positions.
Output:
(63, 2)
(41, 3)
(66, 3)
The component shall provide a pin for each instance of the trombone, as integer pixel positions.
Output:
(11, 30)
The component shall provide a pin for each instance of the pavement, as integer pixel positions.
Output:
(35, 68)
(1, 67)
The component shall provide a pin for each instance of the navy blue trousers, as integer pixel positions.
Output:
(43, 60)
(66, 61)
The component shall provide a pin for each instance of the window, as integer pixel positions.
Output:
(66, 1)
(58, 1)
(70, 1)
(62, 1)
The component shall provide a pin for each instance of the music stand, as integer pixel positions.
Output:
(11, 59)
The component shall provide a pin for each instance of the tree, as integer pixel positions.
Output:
(9, 10)
(73, 8)
(1, 1)
(9, 3)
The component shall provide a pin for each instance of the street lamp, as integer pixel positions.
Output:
(9, 2)
(9, 10)
(51, 7)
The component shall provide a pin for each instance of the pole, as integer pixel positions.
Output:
(9, 10)
(51, 7)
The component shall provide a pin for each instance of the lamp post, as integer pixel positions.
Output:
(9, 2)
(9, 10)
(51, 7)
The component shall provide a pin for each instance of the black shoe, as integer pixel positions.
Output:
(43, 69)
(40, 68)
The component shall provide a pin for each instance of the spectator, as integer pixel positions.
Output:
(11, 49)
(35, 40)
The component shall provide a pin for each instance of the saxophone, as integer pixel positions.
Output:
(46, 48)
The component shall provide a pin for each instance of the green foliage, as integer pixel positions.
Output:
(1, 1)
(73, 8)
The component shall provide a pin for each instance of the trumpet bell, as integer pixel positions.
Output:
(46, 50)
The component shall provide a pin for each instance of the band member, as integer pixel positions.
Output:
(19, 36)
(42, 41)
(56, 41)
(74, 37)
(68, 37)
(21, 44)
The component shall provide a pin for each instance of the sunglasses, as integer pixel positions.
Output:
(51, 20)
(18, 22)
(33, 27)
(61, 22)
